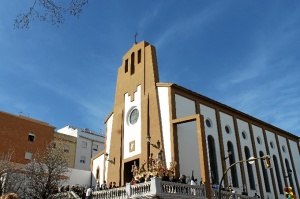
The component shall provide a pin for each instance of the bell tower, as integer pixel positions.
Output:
(136, 112)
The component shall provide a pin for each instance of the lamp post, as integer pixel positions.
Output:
(250, 160)
(107, 159)
(148, 138)
(148, 150)
(157, 146)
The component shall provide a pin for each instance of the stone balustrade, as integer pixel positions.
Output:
(152, 189)
(117, 193)
(156, 188)
(228, 195)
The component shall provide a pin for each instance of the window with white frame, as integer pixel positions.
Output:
(82, 159)
(84, 144)
(95, 147)
(31, 137)
(28, 155)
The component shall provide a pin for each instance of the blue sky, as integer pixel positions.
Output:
(244, 54)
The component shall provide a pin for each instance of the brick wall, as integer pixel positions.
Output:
(14, 132)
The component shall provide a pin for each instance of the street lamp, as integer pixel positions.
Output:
(157, 145)
(106, 158)
(250, 160)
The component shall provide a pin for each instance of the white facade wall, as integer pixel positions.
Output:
(260, 146)
(132, 132)
(187, 138)
(296, 156)
(184, 106)
(245, 141)
(188, 149)
(109, 125)
(84, 145)
(98, 163)
(69, 130)
(210, 115)
(227, 122)
(271, 142)
(286, 157)
(164, 107)
(79, 177)
(77, 132)
(81, 151)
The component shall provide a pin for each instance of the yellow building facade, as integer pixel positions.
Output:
(69, 144)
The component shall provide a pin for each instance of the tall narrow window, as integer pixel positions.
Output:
(250, 169)
(213, 160)
(275, 162)
(84, 144)
(98, 173)
(126, 65)
(132, 64)
(139, 56)
(235, 182)
(265, 173)
(287, 165)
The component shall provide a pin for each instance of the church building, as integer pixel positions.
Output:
(197, 134)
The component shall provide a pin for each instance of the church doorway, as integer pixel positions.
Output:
(127, 170)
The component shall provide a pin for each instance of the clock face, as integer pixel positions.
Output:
(134, 116)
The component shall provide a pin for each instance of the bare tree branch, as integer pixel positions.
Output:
(46, 172)
(6, 168)
(52, 11)
(40, 178)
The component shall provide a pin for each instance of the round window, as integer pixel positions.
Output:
(258, 140)
(208, 123)
(133, 116)
(227, 129)
(244, 135)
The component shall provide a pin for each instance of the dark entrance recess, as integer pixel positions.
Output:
(127, 170)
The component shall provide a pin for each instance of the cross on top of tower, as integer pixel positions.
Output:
(135, 36)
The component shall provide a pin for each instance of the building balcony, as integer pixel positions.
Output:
(156, 188)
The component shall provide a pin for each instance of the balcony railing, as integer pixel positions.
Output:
(228, 195)
(154, 188)
(163, 189)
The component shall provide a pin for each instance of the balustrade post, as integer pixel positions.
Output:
(155, 187)
(128, 189)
